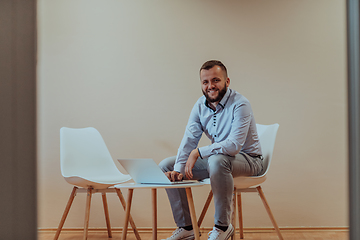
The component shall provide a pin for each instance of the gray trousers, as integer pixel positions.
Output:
(221, 169)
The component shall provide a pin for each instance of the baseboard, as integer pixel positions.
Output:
(204, 229)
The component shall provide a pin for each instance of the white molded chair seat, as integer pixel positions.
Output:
(267, 136)
(86, 163)
(243, 182)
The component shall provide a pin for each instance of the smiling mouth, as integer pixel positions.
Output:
(212, 91)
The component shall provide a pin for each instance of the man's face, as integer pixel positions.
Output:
(214, 84)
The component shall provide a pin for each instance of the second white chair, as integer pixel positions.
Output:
(267, 135)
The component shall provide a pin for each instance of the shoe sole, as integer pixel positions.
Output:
(229, 234)
(191, 237)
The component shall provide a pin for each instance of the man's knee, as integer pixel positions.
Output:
(219, 163)
(167, 164)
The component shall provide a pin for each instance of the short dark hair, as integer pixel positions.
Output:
(211, 63)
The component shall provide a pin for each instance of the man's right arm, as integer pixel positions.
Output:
(192, 135)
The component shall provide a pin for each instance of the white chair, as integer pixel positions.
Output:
(87, 164)
(267, 135)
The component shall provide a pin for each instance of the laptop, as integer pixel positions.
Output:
(146, 171)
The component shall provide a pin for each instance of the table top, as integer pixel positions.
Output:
(141, 185)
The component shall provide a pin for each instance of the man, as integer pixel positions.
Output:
(226, 117)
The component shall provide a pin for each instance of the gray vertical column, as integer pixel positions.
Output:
(18, 120)
(354, 117)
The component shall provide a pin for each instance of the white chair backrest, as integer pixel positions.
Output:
(267, 135)
(83, 153)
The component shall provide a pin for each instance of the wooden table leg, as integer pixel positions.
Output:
(127, 214)
(154, 207)
(192, 213)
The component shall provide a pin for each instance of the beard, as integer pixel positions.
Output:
(220, 95)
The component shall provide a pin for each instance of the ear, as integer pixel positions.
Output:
(227, 82)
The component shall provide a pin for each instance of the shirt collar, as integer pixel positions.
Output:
(225, 98)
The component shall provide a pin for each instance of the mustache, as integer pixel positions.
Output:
(213, 89)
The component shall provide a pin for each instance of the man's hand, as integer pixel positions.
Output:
(174, 176)
(191, 162)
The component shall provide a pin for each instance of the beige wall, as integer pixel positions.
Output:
(130, 69)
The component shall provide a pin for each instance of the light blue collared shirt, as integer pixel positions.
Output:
(231, 129)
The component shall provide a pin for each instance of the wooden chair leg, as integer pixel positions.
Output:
(241, 226)
(262, 196)
(132, 223)
(233, 213)
(106, 211)
(127, 213)
(87, 212)
(66, 211)
(205, 208)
